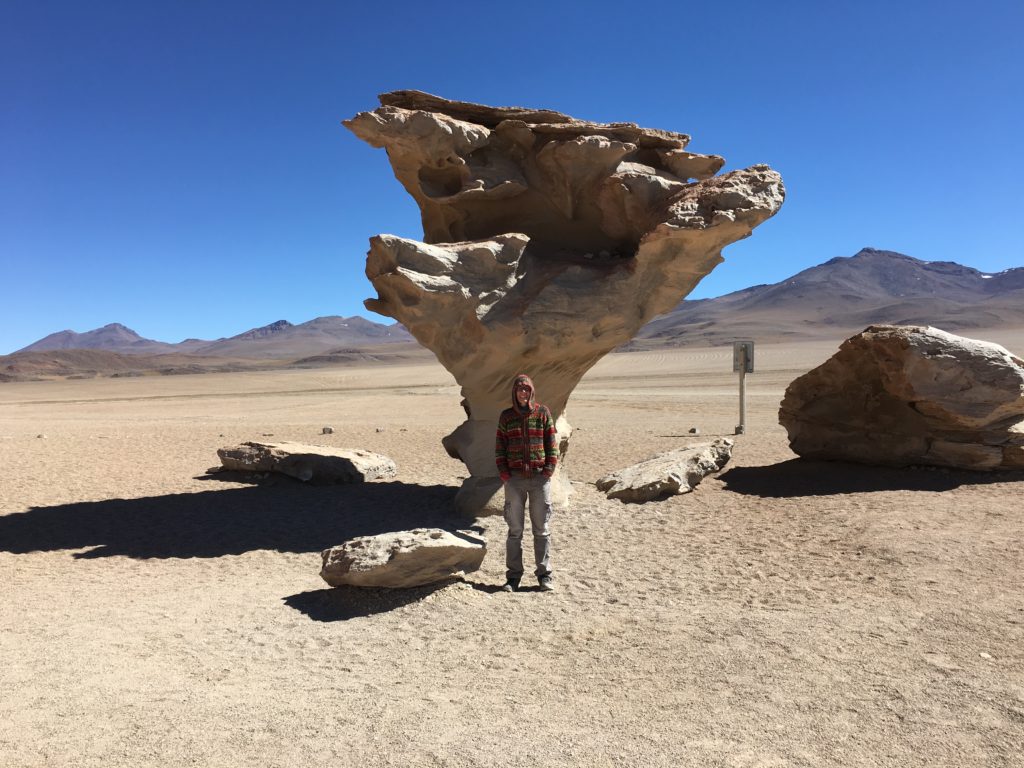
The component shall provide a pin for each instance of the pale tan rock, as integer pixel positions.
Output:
(309, 463)
(550, 241)
(667, 474)
(402, 559)
(901, 395)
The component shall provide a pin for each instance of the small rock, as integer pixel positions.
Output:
(327, 431)
(986, 656)
(667, 474)
(41, 437)
(694, 431)
(402, 559)
(309, 463)
(380, 429)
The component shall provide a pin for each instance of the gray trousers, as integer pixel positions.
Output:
(517, 489)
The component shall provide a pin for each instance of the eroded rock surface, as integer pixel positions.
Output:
(549, 242)
(667, 474)
(902, 395)
(401, 559)
(318, 464)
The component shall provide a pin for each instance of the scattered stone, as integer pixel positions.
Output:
(907, 395)
(327, 431)
(402, 559)
(667, 474)
(549, 242)
(380, 429)
(694, 431)
(40, 437)
(319, 464)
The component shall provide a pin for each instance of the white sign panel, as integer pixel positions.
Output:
(743, 352)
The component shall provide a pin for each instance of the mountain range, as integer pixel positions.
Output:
(280, 339)
(843, 296)
(832, 300)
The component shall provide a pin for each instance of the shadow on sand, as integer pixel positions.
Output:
(286, 517)
(282, 515)
(801, 477)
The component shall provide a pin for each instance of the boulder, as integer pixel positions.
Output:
(667, 474)
(549, 242)
(318, 464)
(902, 395)
(401, 559)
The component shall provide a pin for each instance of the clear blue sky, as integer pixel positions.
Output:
(179, 166)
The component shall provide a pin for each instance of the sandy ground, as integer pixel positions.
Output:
(786, 613)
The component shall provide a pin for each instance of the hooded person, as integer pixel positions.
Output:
(526, 454)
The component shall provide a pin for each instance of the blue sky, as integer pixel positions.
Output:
(179, 166)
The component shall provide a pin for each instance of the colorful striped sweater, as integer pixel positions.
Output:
(526, 443)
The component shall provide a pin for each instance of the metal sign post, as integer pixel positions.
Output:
(743, 363)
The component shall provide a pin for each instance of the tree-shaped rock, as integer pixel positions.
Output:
(549, 242)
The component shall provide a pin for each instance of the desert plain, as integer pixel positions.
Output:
(785, 613)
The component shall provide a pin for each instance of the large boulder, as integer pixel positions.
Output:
(318, 464)
(667, 474)
(550, 241)
(401, 559)
(902, 395)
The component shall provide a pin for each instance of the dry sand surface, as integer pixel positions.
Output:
(786, 613)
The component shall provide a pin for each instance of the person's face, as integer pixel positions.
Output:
(522, 394)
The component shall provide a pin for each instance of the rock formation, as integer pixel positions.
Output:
(667, 474)
(902, 395)
(318, 464)
(401, 559)
(549, 242)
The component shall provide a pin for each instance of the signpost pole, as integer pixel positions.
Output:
(741, 428)
(743, 363)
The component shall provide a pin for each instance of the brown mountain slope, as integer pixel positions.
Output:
(844, 295)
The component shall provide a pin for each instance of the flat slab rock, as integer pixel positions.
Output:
(667, 474)
(318, 464)
(402, 559)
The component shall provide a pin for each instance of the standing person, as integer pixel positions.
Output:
(526, 452)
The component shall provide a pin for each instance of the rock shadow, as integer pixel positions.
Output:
(344, 603)
(286, 517)
(802, 477)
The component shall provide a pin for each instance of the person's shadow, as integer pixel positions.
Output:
(283, 515)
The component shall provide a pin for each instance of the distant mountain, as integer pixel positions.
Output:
(844, 295)
(323, 334)
(832, 300)
(279, 340)
(113, 337)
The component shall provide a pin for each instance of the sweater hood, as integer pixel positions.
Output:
(522, 378)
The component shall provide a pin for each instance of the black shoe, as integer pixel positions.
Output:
(547, 584)
(512, 585)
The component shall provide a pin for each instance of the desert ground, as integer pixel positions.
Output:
(785, 613)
